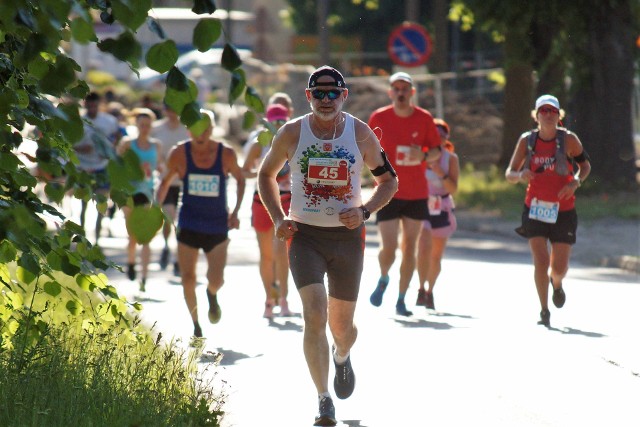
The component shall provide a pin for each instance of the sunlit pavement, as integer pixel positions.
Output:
(479, 360)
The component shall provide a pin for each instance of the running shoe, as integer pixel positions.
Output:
(345, 380)
(131, 272)
(176, 269)
(197, 330)
(284, 308)
(214, 309)
(545, 318)
(429, 303)
(143, 284)
(376, 296)
(401, 309)
(164, 258)
(326, 413)
(559, 297)
(421, 300)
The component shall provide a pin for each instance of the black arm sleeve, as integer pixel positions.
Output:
(386, 167)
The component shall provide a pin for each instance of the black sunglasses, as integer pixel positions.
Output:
(320, 94)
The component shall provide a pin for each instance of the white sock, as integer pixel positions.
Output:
(323, 395)
(339, 359)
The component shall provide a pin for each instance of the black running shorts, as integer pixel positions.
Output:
(203, 241)
(563, 231)
(335, 251)
(414, 209)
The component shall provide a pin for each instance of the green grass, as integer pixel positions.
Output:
(489, 191)
(116, 377)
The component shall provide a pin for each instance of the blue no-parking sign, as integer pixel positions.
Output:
(409, 45)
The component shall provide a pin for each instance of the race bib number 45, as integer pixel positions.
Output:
(204, 185)
(328, 171)
(544, 211)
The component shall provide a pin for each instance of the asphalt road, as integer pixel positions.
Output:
(480, 359)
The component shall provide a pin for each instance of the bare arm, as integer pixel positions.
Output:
(574, 149)
(513, 172)
(176, 166)
(450, 179)
(248, 169)
(387, 184)
(284, 142)
(232, 167)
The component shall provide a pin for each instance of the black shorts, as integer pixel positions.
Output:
(563, 231)
(414, 209)
(173, 195)
(203, 241)
(140, 199)
(335, 251)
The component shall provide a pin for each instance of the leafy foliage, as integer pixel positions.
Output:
(48, 278)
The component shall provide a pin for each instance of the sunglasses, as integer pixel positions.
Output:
(332, 94)
(548, 110)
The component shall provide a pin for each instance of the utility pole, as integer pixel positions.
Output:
(323, 31)
(412, 10)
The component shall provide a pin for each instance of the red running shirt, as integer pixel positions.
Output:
(547, 183)
(396, 134)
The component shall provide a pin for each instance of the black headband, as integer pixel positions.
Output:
(325, 70)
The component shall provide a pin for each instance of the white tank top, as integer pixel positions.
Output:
(325, 176)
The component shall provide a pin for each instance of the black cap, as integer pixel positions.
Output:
(325, 70)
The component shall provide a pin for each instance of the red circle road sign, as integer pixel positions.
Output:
(409, 45)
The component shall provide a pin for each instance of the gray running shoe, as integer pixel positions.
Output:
(559, 297)
(326, 413)
(344, 381)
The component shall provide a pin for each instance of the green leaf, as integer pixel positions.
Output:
(68, 267)
(82, 31)
(177, 99)
(24, 275)
(190, 115)
(52, 288)
(73, 307)
(252, 100)
(265, 137)
(176, 80)
(8, 252)
(144, 222)
(30, 263)
(237, 85)
(248, 120)
(201, 7)
(54, 260)
(125, 48)
(162, 56)
(230, 58)
(55, 191)
(205, 34)
(131, 13)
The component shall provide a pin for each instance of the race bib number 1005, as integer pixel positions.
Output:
(328, 171)
(544, 211)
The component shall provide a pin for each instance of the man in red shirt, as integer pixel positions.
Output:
(407, 134)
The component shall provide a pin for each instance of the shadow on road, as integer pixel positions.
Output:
(229, 357)
(572, 331)
(421, 323)
(287, 325)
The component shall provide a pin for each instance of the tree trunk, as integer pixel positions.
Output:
(602, 105)
(518, 92)
(439, 62)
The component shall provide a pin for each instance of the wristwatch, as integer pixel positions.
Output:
(365, 213)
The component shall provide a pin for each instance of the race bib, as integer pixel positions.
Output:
(435, 205)
(328, 171)
(204, 185)
(544, 211)
(403, 157)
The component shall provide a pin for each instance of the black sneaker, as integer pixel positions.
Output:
(131, 272)
(214, 309)
(164, 258)
(421, 300)
(143, 285)
(545, 318)
(197, 330)
(559, 297)
(326, 413)
(345, 380)
(176, 269)
(430, 303)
